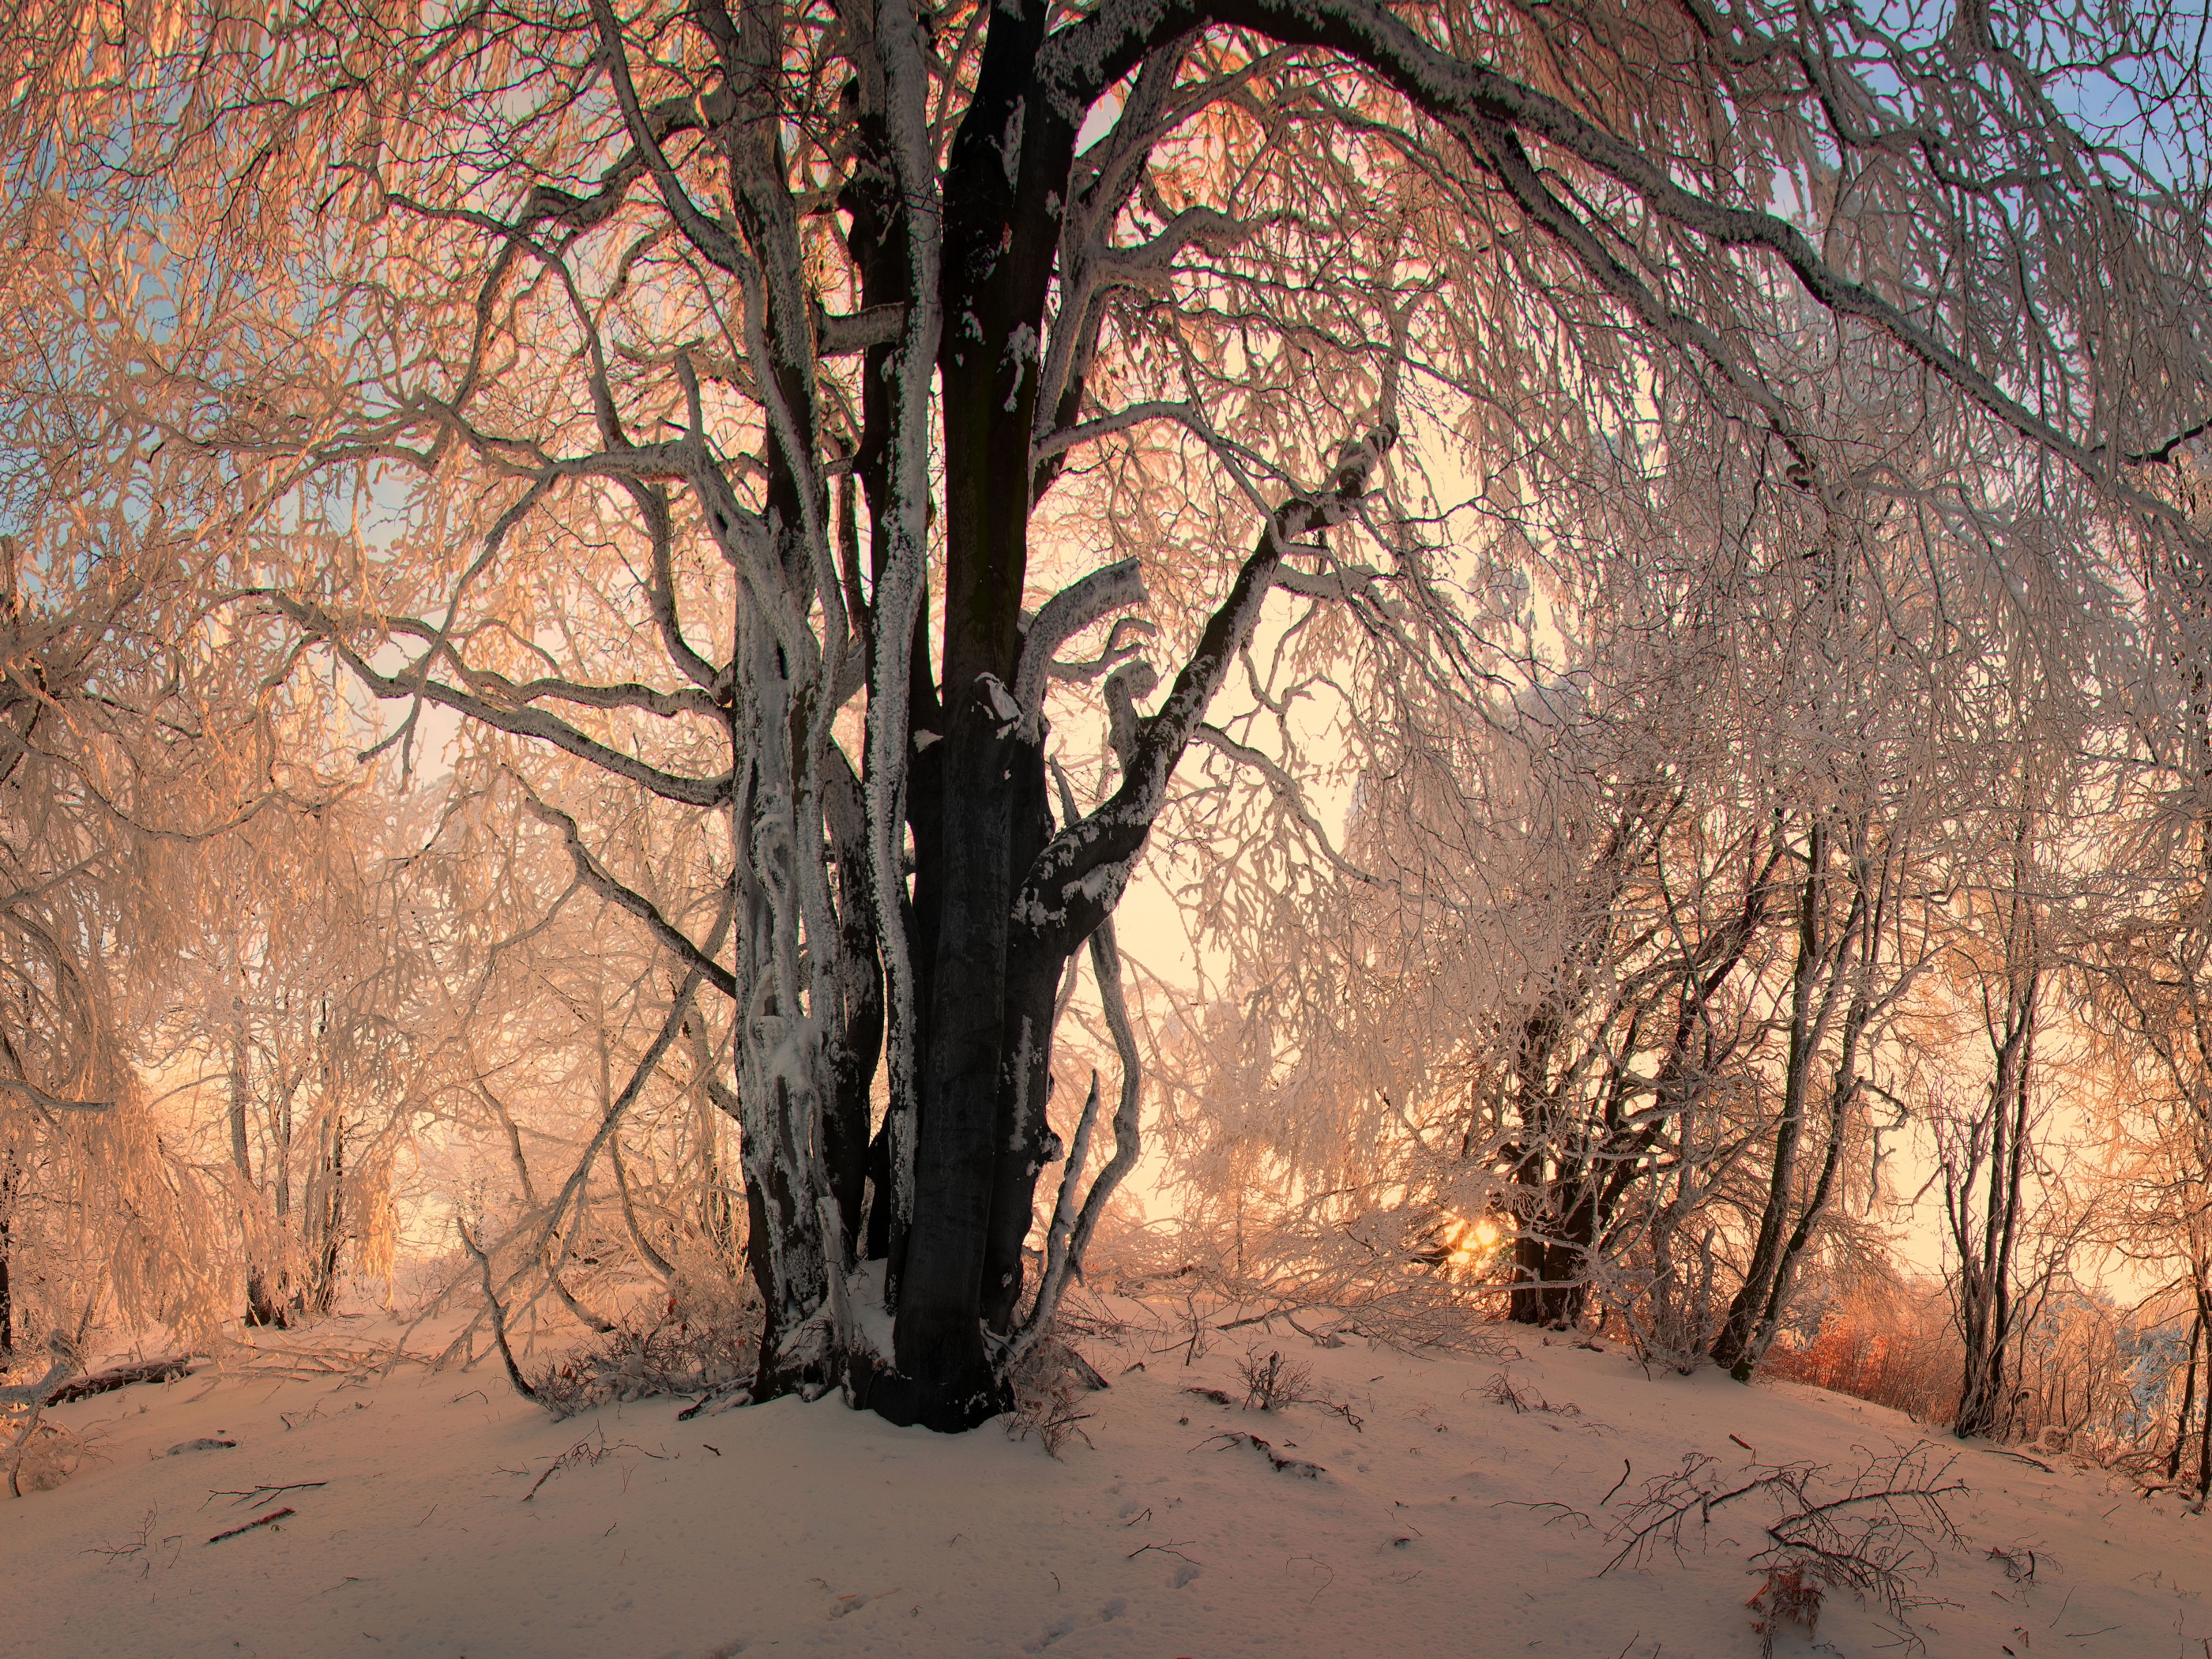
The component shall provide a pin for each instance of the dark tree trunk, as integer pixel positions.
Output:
(1551, 1254)
(986, 918)
(1000, 241)
(1986, 1274)
(1735, 1349)
(10, 1177)
(1022, 1133)
(1531, 1300)
(860, 1014)
(944, 1377)
(2204, 1439)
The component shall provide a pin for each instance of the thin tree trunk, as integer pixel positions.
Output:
(10, 1177)
(1733, 1349)
(1985, 1284)
(260, 1308)
(2188, 1399)
(2204, 1440)
(1842, 1093)
(329, 1221)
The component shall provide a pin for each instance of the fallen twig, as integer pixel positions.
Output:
(1297, 1466)
(1566, 1511)
(585, 1451)
(1164, 1549)
(1501, 1388)
(2017, 1457)
(1876, 1538)
(267, 1520)
(262, 1494)
(1626, 1468)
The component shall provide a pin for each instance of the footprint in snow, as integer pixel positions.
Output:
(1063, 1626)
(1066, 1623)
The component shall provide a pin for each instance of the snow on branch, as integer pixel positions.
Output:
(40, 1099)
(1064, 614)
(848, 337)
(1069, 437)
(1343, 584)
(626, 694)
(1286, 791)
(1074, 1220)
(63, 1365)
(1494, 112)
(703, 233)
(1077, 877)
(1124, 642)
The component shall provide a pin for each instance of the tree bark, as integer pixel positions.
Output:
(11, 1177)
(944, 1377)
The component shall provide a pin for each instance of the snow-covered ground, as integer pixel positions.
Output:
(1446, 1522)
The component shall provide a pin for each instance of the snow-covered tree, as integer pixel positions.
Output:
(746, 401)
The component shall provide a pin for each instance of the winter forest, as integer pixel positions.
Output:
(860, 716)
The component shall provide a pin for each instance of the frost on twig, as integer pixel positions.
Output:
(1873, 1532)
(703, 1344)
(36, 1395)
(1047, 1380)
(1502, 1389)
(1272, 1383)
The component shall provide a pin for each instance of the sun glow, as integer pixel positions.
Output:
(1472, 1241)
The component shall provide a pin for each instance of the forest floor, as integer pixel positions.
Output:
(436, 1514)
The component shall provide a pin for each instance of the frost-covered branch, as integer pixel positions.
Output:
(1079, 877)
(1065, 614)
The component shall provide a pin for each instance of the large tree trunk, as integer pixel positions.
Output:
(944, 1377)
